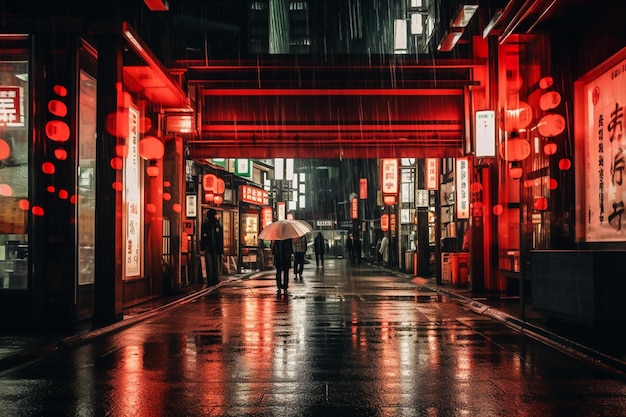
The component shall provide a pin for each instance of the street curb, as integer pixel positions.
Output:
(560, 343)
(29, 355)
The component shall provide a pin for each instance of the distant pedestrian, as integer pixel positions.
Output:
(212, 245)
(319, 246)
(299, 251)
(282, 250)
(384, 250)
(350, 247)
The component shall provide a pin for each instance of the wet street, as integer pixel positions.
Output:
(344, 341)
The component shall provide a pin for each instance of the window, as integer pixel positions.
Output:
(14, 149)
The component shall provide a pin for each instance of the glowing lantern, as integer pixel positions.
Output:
(48, 168)
(60, 154)
(6, 190)
(546, 82)
(549, 148)
(515, 172)
(117, 124)
(5, 149)
(541, 203)
(145, 124)
(389, 199)
(498, 209)
(151, 148)
(553, 184)
(519, 118)
(218, 199)
(152, 170)
(57, 130)
(117, 163)
(176, 208)
(59, 90)
(549, 100)
(565, 164)
(515, 149)
(166, 183)
(74, 199)
(551, 125)
(57, 107)
(221, 186)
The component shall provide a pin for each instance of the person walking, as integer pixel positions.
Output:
(212, 245)
(319, 246)
(282, 250)
(384, 250)
(350, 246)
(299, 251)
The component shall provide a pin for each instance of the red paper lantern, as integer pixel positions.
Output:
(541, 203)
(60, 154)
(5, 149)
(515, 149)
(549, 148)
(553, 184)
(48, 168)
(151, 148)
(565, 164)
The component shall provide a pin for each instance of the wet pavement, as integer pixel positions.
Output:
(344, 341)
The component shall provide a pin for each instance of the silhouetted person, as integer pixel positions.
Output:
(319, 246)
(299, 250)
(282, 250)
(212, 245)
(384, 250)
(350, 247)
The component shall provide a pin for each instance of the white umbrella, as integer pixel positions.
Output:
(285, 229)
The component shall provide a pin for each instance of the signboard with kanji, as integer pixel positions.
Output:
(389, 176)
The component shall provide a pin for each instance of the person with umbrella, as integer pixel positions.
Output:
(282, 250)
(281, 233)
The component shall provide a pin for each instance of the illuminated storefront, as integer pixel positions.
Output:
(81, 215)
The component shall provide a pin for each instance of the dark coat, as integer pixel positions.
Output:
(212, 239)
(282, 250)
(319, 245)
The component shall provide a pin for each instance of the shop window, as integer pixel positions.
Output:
(14, 180)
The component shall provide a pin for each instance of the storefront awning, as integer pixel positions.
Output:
(143, 73)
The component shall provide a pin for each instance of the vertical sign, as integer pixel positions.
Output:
(132, 198)
(432, 173)
(266, 217)
(280, 209)
(11, 106)
(354, 208)
(363, 188)
(605, 146)
(485, 136)
(462, 188)
(384, 222)
(390, 176)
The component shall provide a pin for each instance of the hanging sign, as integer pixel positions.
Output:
(485, 137)
(603, 97)
(354, 208)
(11, 106)
(363, 188)
(384, 222)
(462, 181)
(432, 173)
(390, 176)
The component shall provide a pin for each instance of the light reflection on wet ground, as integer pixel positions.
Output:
(343, 342)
